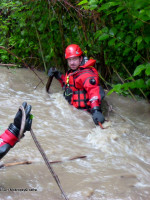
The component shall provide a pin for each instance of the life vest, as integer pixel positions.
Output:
(75, 92)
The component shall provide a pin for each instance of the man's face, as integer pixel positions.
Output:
(74, 62)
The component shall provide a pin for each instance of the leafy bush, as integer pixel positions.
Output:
(123, 32)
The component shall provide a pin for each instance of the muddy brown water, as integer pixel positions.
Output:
(117, 166)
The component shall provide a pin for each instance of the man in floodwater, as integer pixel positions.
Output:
(81, 83)
(10, 137)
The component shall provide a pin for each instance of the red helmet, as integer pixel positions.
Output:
(73, 50)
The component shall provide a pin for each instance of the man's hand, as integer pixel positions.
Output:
(15, 127)
(97, 116)
(54, 72)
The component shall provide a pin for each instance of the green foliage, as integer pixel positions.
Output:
(124, 35)
(140, 68)
(142, 83)
(32, 31)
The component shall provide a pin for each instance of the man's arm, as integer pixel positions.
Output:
(96, 94)
(10, 137)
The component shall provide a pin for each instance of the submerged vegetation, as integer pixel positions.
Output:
(116, 33)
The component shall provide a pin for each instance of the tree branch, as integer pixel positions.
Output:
(25, 64)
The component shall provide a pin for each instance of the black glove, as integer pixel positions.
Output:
(54, 72)
(15, 127)
(97, 115)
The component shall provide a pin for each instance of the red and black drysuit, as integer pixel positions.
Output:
(82, 86)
